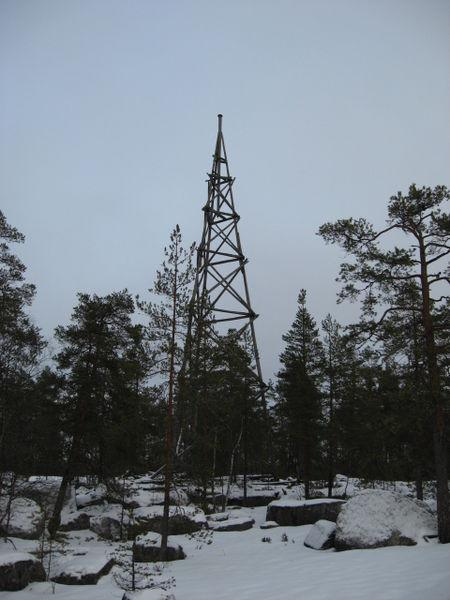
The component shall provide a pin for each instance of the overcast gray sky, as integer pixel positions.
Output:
(108, 120)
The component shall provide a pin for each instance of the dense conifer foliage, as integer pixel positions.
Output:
(369, 399)
(21, 346)
(405, 280)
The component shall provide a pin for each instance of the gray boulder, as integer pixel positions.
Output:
(303, 512)
(378, 518)
(17, 570)
(107, 527)
(321, 535)
(147, 548)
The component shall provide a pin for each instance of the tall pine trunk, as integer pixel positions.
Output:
(440, 429)
(169, 420)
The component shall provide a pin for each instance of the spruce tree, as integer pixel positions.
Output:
(299, 382)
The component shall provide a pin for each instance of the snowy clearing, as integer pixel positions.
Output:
(239, 566)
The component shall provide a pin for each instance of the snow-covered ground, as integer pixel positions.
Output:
(240, 566)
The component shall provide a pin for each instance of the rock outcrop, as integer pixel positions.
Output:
(25, 519)
(17, 570)
(84, 570)
(232, 524)
(303, 512)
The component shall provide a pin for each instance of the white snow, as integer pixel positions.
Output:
(269, 525)
(239, 566)
(220, 516)
(152, 594)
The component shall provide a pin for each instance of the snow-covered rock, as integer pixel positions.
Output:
(220, 516)
(232, 524)
(18, 569)
(376, 518)
(26, 518)
(90, 497)
(142, 497)
(269, 525)
(82, 570)
(74, 521)
(303, 512)
(321, 535)
(147, 548)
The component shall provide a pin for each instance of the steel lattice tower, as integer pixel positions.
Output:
(221, 293)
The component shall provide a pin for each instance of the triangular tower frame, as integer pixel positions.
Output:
(221, 291)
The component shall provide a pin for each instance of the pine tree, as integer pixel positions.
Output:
(101, 370)
(167, 321)
(402, 340)
(378, 277)
(333, 347)
(21, 345)
(44, 424)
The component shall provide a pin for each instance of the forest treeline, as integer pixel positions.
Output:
(369, 399)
